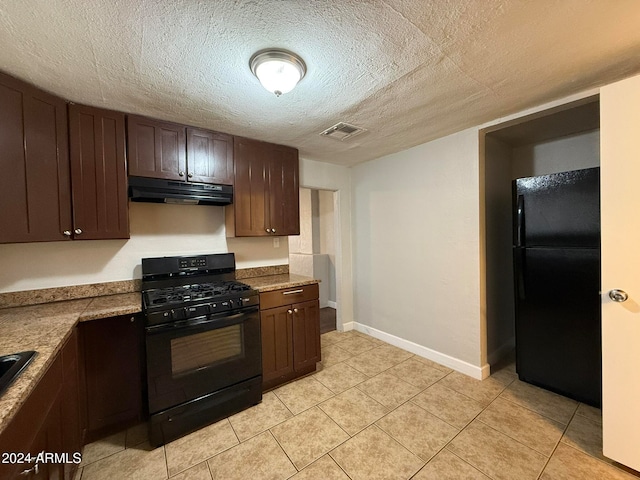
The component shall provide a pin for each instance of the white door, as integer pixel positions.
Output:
(620, 211)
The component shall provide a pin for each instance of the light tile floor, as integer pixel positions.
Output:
(374, 411)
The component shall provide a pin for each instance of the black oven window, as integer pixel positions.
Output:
(206, 349)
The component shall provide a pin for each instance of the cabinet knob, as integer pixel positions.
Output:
(295, 310)
(181, 173)
(289, 311)
(273, 230)
(268, 230)
(190, 175)
(67, 233)
(133, 319)
(77, 231)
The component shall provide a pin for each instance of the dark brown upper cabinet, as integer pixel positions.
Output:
(176, 152)
(98, 172)
(209, 156)
(156, 149)
(266, 190)
(34, 157)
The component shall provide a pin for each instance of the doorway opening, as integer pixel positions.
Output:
(313, 252)
(556, 140)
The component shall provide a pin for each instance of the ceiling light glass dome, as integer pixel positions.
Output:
(279, 71)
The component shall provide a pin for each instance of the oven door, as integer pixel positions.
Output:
(192, 358)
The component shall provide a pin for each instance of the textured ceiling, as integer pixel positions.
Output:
(408, 71)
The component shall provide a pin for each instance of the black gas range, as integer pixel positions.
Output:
(203, 342)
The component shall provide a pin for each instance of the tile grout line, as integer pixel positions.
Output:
(535, 411)
(460, 432)
(285, 452)
(558, 443)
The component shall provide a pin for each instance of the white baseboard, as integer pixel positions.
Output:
(332, 304)
(348, 326)
(501, 351)
(441, 358)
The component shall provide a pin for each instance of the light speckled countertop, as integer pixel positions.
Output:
(45, 327)
(276, 282)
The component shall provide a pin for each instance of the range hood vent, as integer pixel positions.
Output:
(156, 190)
(342, 131)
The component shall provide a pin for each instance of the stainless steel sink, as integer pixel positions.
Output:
(12, 365)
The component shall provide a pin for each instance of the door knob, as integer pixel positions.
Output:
(618, 295)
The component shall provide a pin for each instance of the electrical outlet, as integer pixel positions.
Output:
(276, 242)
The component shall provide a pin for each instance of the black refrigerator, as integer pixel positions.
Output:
(556, 253)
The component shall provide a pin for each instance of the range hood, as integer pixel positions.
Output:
(156, 190)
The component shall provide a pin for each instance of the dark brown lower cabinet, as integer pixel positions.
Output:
(277, 344)
(111, 374)
(290, 334)
(306, 335)
(47, 424)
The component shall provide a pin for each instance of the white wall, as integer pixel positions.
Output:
(416, 248)
(156, 230)
(560, 155)
(500, 310)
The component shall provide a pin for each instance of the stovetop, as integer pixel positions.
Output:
(181, 294)
(183, 288)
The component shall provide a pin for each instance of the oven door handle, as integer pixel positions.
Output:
(200, 321)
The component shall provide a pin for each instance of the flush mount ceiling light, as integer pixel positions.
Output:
(279, 71)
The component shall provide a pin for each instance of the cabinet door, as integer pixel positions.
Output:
(209, 156)
(36, 427)
(284, 190)
(49, 440)
(34, 159)
(306, 334)
(156, 149)
(70, 408)
(112, 351)
(277, 343)
(266, 191)
(251, 201)
(99, 173)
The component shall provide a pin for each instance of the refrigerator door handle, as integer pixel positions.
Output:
(520, 221)
(519, 267)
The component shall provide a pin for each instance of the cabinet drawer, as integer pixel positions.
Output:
(288, 296)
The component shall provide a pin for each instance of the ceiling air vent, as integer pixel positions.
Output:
(342, 131)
